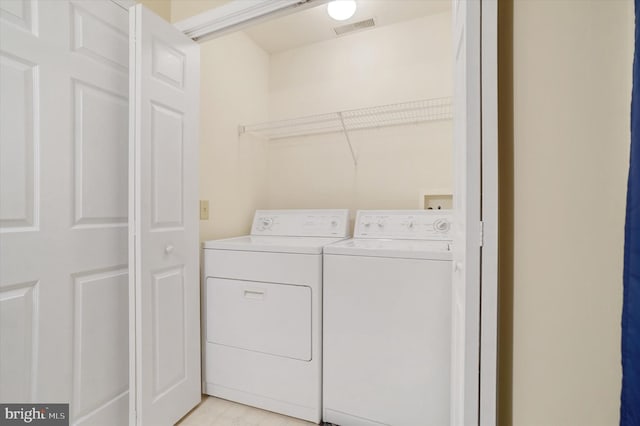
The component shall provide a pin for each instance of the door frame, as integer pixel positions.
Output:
(239, 14)
(489, 307)
(125, 4)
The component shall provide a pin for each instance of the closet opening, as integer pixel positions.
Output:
(304, 111)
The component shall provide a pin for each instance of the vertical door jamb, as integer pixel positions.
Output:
(489, 209)
(134, 179)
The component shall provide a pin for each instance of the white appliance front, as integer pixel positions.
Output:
(270, 318)
(263, 308)
(387, 322)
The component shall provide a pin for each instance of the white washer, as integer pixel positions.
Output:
(387, 321)
(263, 305)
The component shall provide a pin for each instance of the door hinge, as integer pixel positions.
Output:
(481, 233)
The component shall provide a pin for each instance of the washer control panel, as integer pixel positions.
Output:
(301, 223)
(404, 224)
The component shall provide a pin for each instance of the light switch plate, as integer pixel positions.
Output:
(204, 209)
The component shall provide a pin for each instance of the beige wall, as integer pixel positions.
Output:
(394, 63)
(234, 90)
(391, 64)
(183, 9)
(566, 72)
(177, 10)
(160, 7)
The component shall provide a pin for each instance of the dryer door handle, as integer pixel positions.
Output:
(254, 294)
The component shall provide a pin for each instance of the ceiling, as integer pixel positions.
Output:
(314, 25)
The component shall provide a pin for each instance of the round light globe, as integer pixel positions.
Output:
(341, 10)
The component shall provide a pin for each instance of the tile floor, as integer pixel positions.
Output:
(219, 412)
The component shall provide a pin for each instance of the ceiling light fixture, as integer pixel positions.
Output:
(341, 10)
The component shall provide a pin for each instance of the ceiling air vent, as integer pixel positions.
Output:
(361, 25)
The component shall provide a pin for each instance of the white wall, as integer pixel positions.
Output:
(235, 85)
(396, 63)
(571, 65)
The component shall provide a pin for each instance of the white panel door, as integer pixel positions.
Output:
(165, 317)
(467, 238)
(63, 206)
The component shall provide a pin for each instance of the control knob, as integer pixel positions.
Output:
(442, 225)
(266, 223)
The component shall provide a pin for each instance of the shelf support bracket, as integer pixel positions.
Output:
(346, 135)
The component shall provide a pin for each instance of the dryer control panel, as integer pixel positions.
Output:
(301, 223)
(404, 224)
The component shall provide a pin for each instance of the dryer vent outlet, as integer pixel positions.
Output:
(356, 26)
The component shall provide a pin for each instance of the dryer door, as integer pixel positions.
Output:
(263, 317)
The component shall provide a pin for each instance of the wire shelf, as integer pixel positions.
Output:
(414, 112)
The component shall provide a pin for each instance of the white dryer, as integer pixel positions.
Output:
(263, 310)
(387, 321)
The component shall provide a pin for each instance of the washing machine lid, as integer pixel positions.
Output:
(299, 245)
(406, 249)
